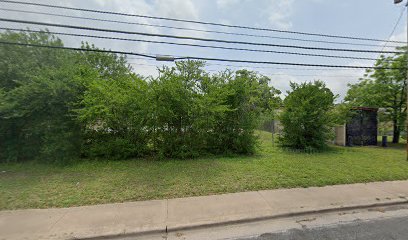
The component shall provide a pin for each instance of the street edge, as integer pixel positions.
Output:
(246, 220)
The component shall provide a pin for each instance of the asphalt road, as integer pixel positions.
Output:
(377, 223)
(384, 229)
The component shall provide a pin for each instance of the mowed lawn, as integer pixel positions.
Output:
(35, 185)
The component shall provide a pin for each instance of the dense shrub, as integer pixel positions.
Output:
(307, 116)
(113, 108)
(59, 105)
(37, 88)
(194, 113)
(113, 113)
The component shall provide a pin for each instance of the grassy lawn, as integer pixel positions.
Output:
(35, 185)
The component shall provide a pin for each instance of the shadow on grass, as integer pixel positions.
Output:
(146, 159)
(401, 146)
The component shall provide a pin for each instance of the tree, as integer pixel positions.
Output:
(112, 109)
(38, 87)
(248, 97)
(113, 114)
(41, 91)
(307, 117)
(180, 105)
(384, 88)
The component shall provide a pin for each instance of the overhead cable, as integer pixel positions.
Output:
(201, 58)
(190, 44)
(196, 22)
(192, 38)
(195, 30)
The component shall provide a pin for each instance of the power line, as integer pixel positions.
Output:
(190, 45)
(197, 22)
(395, 26)
(192, 38)
(312, 75)
(76, 49)
(255, 67)
(193, 29)
(275, 68)
(297, 75)
(283, 63)
(199, 58)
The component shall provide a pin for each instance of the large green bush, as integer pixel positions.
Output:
(195, 113)
(60, 105)
(113, 115)
(307, 117)
(113, 108)
(38, 87)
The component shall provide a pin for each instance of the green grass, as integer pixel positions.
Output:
(35, 185)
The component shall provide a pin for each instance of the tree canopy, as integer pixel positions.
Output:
(384, 88)
(307, 116)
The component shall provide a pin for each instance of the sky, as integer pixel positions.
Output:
(362, 18)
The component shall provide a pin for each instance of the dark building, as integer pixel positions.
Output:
(361, 129)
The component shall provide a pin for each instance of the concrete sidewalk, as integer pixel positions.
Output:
(175, 214)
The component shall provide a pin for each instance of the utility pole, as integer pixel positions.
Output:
(406, 80)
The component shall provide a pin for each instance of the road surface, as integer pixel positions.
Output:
(393, 228)
(382, 223)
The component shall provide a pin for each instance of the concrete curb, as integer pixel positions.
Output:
(403, 201)
(160, 217)
(122, 235)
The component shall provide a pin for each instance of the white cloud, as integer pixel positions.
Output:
(338, 85)
(339, 79)
(336, 80)
(144, 67)
(277, 13)
(176, 9)
(280, 12)
(128, 6)
(224, 4)
(402, 36)
(282, 82)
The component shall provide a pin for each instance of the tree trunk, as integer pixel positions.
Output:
(396, 134)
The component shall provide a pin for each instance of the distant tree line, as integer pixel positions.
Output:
(59, 104)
